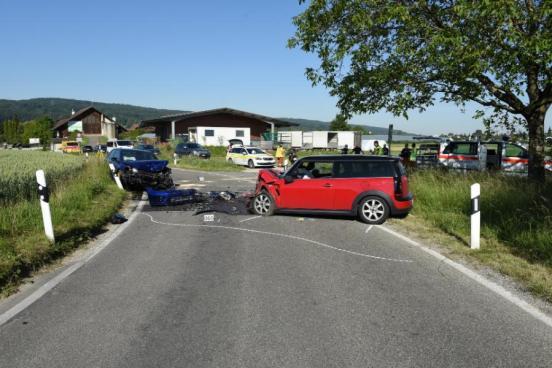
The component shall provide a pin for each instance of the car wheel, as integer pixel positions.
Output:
(263, 204)
(373, 210)
(251, 164)
(230, 161)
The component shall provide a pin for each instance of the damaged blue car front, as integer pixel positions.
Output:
(139, 169)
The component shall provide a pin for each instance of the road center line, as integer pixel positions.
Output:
(280, 235)
(250, 218)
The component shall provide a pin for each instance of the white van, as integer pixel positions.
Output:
(115, 143)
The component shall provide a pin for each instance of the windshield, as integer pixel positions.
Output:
(135, 155)
(124, 143)
(255, 151)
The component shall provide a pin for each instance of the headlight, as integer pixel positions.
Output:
(134, 170)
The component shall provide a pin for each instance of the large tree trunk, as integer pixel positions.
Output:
(536, 144)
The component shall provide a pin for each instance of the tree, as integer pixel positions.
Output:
(39, 128)
(12, 131)
(339, 123)
(403, 55)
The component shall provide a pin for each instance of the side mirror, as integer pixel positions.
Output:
(288, 179)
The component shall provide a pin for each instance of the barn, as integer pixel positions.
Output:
(90, 122)
(217, 126)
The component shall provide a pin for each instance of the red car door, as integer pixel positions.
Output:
(312, 188)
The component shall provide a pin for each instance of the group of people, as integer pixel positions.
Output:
(405, 155)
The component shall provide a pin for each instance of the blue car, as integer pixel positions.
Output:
(139, 169)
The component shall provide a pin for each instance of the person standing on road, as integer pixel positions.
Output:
(385, 150)
(280, 154)
(345, 150)
(357, 150)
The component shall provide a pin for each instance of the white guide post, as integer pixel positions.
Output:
(475, 216)
(116, 177)
(44, 194)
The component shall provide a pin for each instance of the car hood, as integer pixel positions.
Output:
(148, 165)
(261, 155)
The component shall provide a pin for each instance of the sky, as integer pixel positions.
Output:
(185, 55)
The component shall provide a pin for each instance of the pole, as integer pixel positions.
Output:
(116, 177)
(475, 216)
(44, 195)
(389, 139)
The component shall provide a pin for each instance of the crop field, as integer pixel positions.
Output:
(17, 168)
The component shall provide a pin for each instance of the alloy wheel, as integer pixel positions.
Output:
(262, 204)
(373, 210)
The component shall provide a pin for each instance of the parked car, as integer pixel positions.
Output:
(87, 149)
(139, 169)
(115, 143)
(250, 156)
(187, 149)
(369, 187)
(70, 147)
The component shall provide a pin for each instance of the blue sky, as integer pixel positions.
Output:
(189, 55)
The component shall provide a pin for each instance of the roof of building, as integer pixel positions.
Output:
(78, 115)
(225, 110)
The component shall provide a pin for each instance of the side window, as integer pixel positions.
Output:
(513, 150)
(110, 144)
(209, 132)
(461, 148)
(243, 152)
(240, 133)
(364, 169)
(313, 170)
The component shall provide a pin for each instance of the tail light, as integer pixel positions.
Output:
(401, 186)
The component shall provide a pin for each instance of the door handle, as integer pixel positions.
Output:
(327, 185)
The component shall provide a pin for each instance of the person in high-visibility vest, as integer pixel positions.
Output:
(280, 154)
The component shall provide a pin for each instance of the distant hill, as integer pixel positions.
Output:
(306, 124)
(57, 108)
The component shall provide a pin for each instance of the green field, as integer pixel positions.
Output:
(18, 180)
(83, 199)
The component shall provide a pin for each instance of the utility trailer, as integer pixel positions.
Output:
(291, 138)
(323, 139)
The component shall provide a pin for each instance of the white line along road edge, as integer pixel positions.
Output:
(535, 312)
(38, 293)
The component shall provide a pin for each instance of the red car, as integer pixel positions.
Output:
(370, 187)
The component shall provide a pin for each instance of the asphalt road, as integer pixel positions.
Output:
(242, 291)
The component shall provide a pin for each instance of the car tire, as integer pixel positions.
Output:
(230, 161)
(373, 210)
(251, 164)
(263, 204)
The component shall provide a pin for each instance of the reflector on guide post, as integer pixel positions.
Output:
(475, 218)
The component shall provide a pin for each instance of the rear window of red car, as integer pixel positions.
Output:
(364, 169)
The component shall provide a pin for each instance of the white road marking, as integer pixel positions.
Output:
(250, 218)
(368, 229)
(281, 235)
(533, 311)
(41, 291)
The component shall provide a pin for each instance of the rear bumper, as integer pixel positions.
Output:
(403, 205)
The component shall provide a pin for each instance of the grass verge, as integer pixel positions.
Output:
(217, 162)
(516, 222)
(80, 208)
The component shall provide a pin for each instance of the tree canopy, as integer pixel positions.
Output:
(403, 55)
